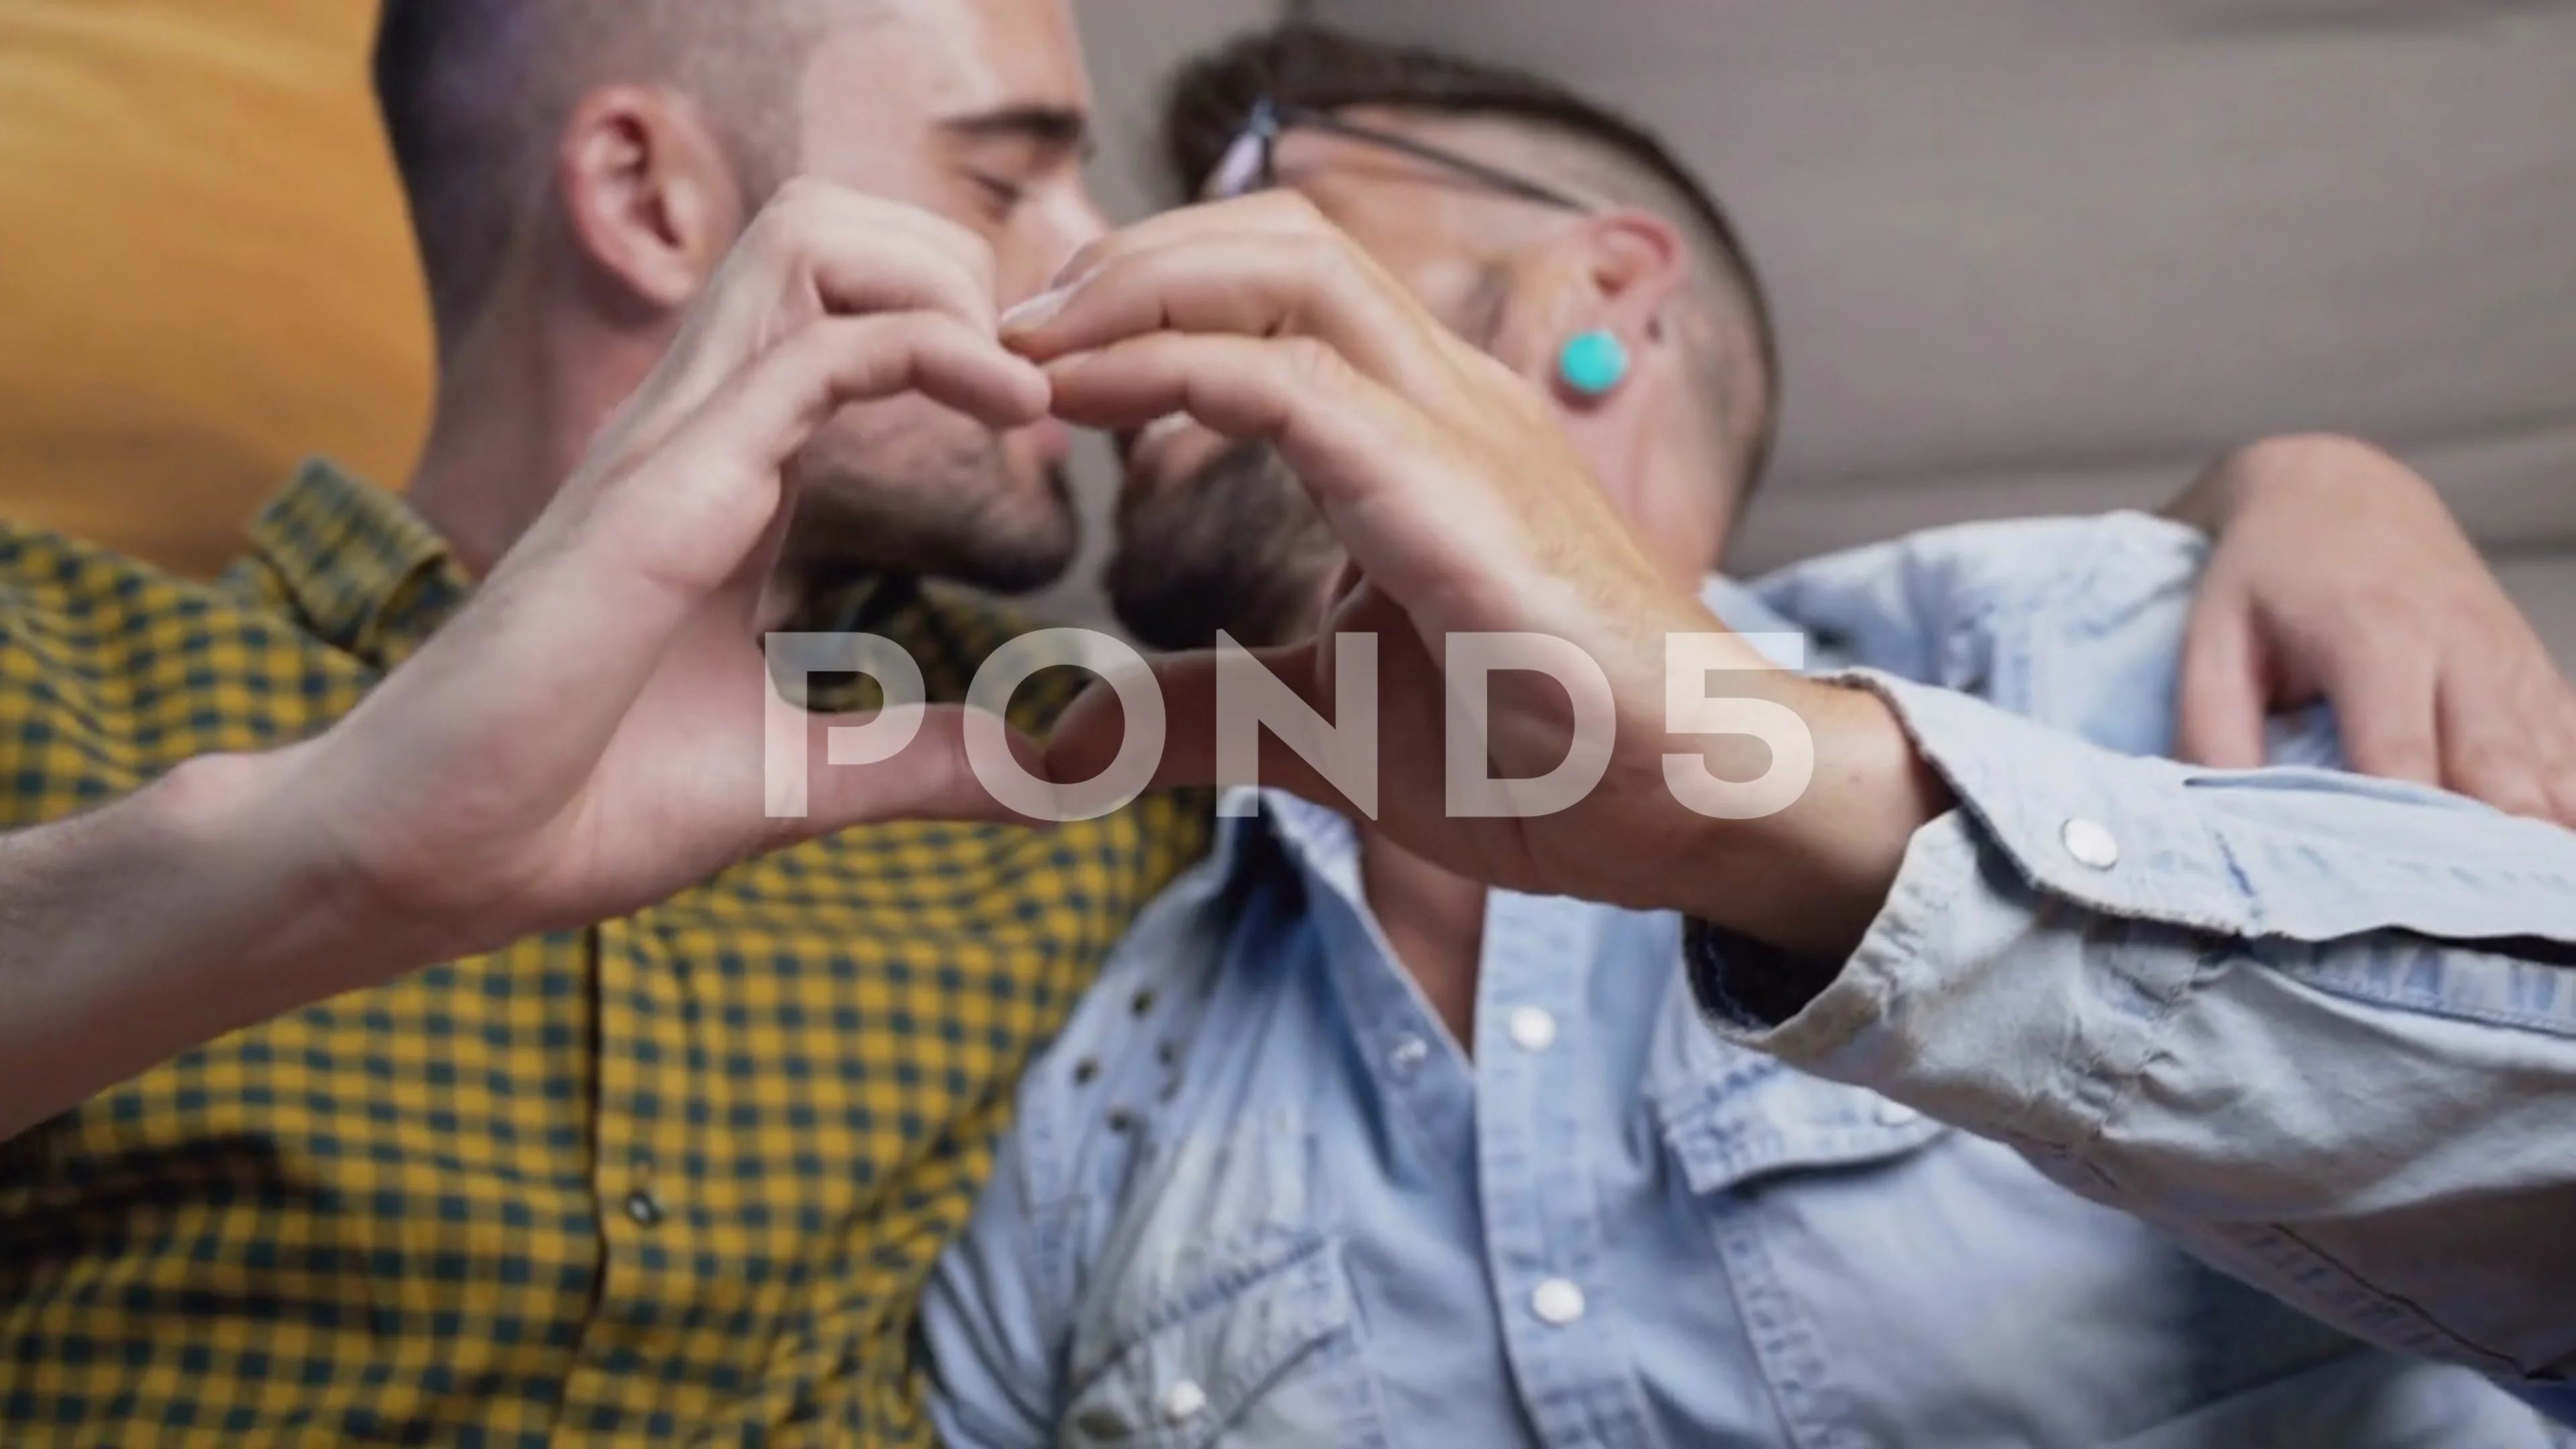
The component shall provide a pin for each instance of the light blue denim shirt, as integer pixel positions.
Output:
(1256, 1195)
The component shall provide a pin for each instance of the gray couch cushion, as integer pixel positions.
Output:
(2033, 256)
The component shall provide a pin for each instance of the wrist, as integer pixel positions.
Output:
(2330, 465)
(2213, 500)
(1810, 879)
(270, 892)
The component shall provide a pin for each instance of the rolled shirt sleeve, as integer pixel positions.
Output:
(2322, 1028)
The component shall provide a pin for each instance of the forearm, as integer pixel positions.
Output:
(156, 924)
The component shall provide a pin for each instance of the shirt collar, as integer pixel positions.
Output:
(859, 603)
(1747, 613)
(1320, 839)
(361, 571)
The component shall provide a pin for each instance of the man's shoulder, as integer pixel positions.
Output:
(1921, 605)
(2122, 557)
(41, 568)
(113, 670)
(1977, 563)
(71, 609)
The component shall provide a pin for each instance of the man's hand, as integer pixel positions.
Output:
(2338, 575)
(1465, 511)
(587, 736)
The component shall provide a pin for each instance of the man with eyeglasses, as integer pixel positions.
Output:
(1347, 1148)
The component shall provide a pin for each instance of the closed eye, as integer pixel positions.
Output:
(1003, 195)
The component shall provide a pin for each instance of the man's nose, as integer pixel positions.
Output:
(1090, 223)
(1073, 221)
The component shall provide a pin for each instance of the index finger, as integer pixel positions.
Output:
(2219, 707)
(1277, 213)
(817, 248)
(1247, 284)
(859, 254)
(1260, 266)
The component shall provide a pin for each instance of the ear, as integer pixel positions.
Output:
(1630, 267)
(649, 195)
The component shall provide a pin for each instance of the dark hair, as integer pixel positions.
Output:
(452, 158)
(1305, 64)
(475, 93)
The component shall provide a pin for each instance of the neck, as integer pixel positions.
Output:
(516, 412)
(1436, 923)
(1662, 466)
(1683, 512)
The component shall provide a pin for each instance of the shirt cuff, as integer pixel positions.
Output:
(2040, 935)
(2120, 842)
(1936, 1004)
(1937, 1007)
(1745, 983)
(2118, 834)
(2297, 854)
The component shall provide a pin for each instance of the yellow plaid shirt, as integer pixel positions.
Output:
(677, 1177)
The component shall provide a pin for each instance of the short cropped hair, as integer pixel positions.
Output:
(1305, 64)
(475, 95)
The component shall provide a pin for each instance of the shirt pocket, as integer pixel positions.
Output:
(1264, 1350)
(1722, 1144)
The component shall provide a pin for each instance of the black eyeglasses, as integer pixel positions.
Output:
(1251, 160)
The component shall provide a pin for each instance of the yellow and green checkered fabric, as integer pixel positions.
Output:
(677, 1177)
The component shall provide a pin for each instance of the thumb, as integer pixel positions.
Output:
(1087, 736)
(934, 777)
(2219, 715)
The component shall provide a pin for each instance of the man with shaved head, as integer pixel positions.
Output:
(609, 1139)
(661, 126)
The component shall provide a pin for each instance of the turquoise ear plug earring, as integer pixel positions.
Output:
(1593, 363)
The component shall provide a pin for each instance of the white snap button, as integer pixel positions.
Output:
(1408, 1056)
(643, 1208)
(1533, 1030)
(2090, 842)
(1184, 1401)
(1896, 1114)
(1557, 1301)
